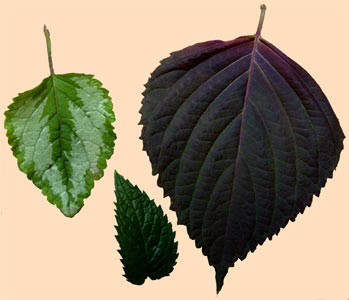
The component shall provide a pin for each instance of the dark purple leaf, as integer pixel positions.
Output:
(242, 137)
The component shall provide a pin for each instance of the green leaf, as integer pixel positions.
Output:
(61, 134)
(145, 235)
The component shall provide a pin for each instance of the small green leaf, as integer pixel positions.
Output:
(61, 134)
(145, 235)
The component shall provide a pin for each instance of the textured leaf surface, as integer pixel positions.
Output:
(61, 135)
(145, 236)
(242, 137)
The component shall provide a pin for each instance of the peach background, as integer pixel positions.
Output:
(44, 255)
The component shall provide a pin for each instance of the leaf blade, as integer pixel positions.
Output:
(45, 115)
(144, 234)
(289, 143)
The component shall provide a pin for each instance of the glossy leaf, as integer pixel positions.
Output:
(61, 135)
(145, 236)
(242, 137)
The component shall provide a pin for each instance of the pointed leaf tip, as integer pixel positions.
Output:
(221, 272)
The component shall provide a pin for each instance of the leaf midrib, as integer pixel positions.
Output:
(60, 137)
(248, 84)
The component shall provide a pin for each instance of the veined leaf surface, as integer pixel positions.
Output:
(242, 137)
(61, 134)
(145, 235)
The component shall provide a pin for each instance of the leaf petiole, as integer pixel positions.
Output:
(261, 20)
(48, 44)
